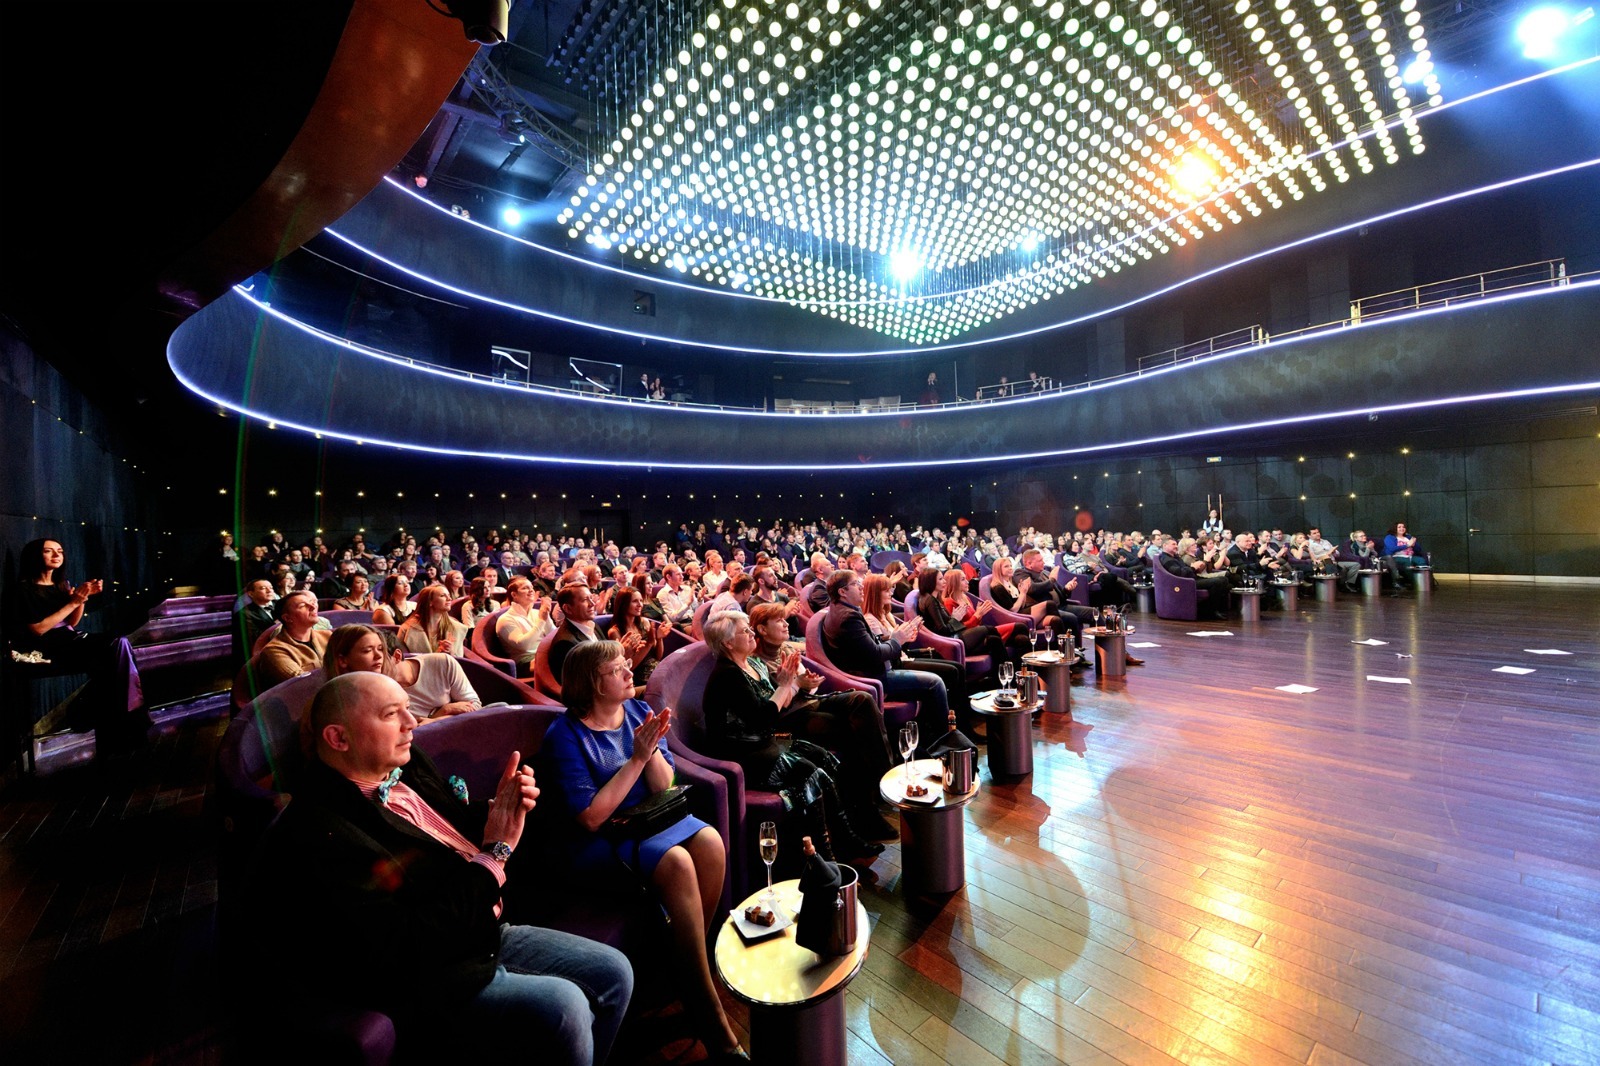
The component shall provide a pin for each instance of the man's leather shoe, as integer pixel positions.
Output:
(1133, 660)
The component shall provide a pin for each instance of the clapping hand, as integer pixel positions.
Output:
(513, 798)
(984, 607)
(789, 668)
(631, 641)
(648, 736)
(907, 630)
(81, 593)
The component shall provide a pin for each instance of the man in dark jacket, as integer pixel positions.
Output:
(853, 648)
(1216, 586)
(380, 888)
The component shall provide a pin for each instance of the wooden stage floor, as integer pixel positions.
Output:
(1200, 869)
(1205, 869)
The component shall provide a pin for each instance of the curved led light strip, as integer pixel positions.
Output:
(1546, 390)
(669, 282)
(979, 342)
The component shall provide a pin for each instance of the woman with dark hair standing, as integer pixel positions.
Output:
(42, 614)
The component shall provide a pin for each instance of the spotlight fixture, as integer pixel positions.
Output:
(511, 216)
(1541, 29)
(485, 22)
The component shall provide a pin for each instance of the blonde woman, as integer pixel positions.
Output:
(430, 627)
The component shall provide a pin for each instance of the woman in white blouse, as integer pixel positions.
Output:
(435, 684)
(523, 624)
(430, 627)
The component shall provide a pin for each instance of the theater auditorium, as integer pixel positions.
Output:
(871, 531)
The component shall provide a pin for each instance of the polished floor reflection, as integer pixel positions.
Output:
(1201, 868)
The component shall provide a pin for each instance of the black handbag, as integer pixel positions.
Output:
(648, 817)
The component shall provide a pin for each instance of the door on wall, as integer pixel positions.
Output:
(607, 523)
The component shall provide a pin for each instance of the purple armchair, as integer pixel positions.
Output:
(998, 614)
(948, 648)
(882, 559)
(680, 682)
(484, 645)
(492, 686)
(1177, 597)
(896, 713)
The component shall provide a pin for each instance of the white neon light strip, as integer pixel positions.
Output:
(980, 342)
(1124, 379)
(670, 282)
(1352, 412)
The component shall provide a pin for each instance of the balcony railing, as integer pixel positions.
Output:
(1548, 273)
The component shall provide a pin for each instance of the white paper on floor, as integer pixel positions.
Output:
(1389, 680)
(1145, 644)
(1212, 633)
(1298, 690)
(1513, 670)
(1371, 642)
(1546, 651)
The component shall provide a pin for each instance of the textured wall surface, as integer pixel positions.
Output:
(238, 356)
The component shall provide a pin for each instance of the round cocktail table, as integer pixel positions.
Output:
(1056, 671)
(1372, 582)
(1110, 652)
(1249, 604)
(796, 997)
(1010, 735)
(933, 843)
(1326, 585)
(1289, 593)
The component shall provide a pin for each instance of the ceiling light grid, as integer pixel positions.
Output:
(920, 171)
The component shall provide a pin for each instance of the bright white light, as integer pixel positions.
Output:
(1417, 71)
(905, 264)
(1540, 29)
(1030, 243)
(511, 216)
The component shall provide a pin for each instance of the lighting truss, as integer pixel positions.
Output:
(920, 169)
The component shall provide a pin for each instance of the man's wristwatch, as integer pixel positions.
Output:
(498, 850)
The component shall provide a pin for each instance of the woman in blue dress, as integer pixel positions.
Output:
(610, 752)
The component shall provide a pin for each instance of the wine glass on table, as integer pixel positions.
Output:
(1050, 640)
(769, 855)
(908, 747)
(1008, 670)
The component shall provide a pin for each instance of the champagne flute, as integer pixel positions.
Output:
(1050, 640)
(1008, 670)
(769, 855)
(908, 747)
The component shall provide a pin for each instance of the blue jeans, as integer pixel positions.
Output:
(928, 692)
(561, 995)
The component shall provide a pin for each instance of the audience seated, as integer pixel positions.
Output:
(640, 637)
(430, 627)
(297, 646)
(381, 886)
(253, 617)
(394, 601)
(576, 603)
(359, 597)
(609, 753)
(1216, 586)
(747, 705)
(524, 623)
(854, 648)
(434, 683)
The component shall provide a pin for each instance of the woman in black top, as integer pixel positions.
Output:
(978, 638)
(42, 615)
(743, 705)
